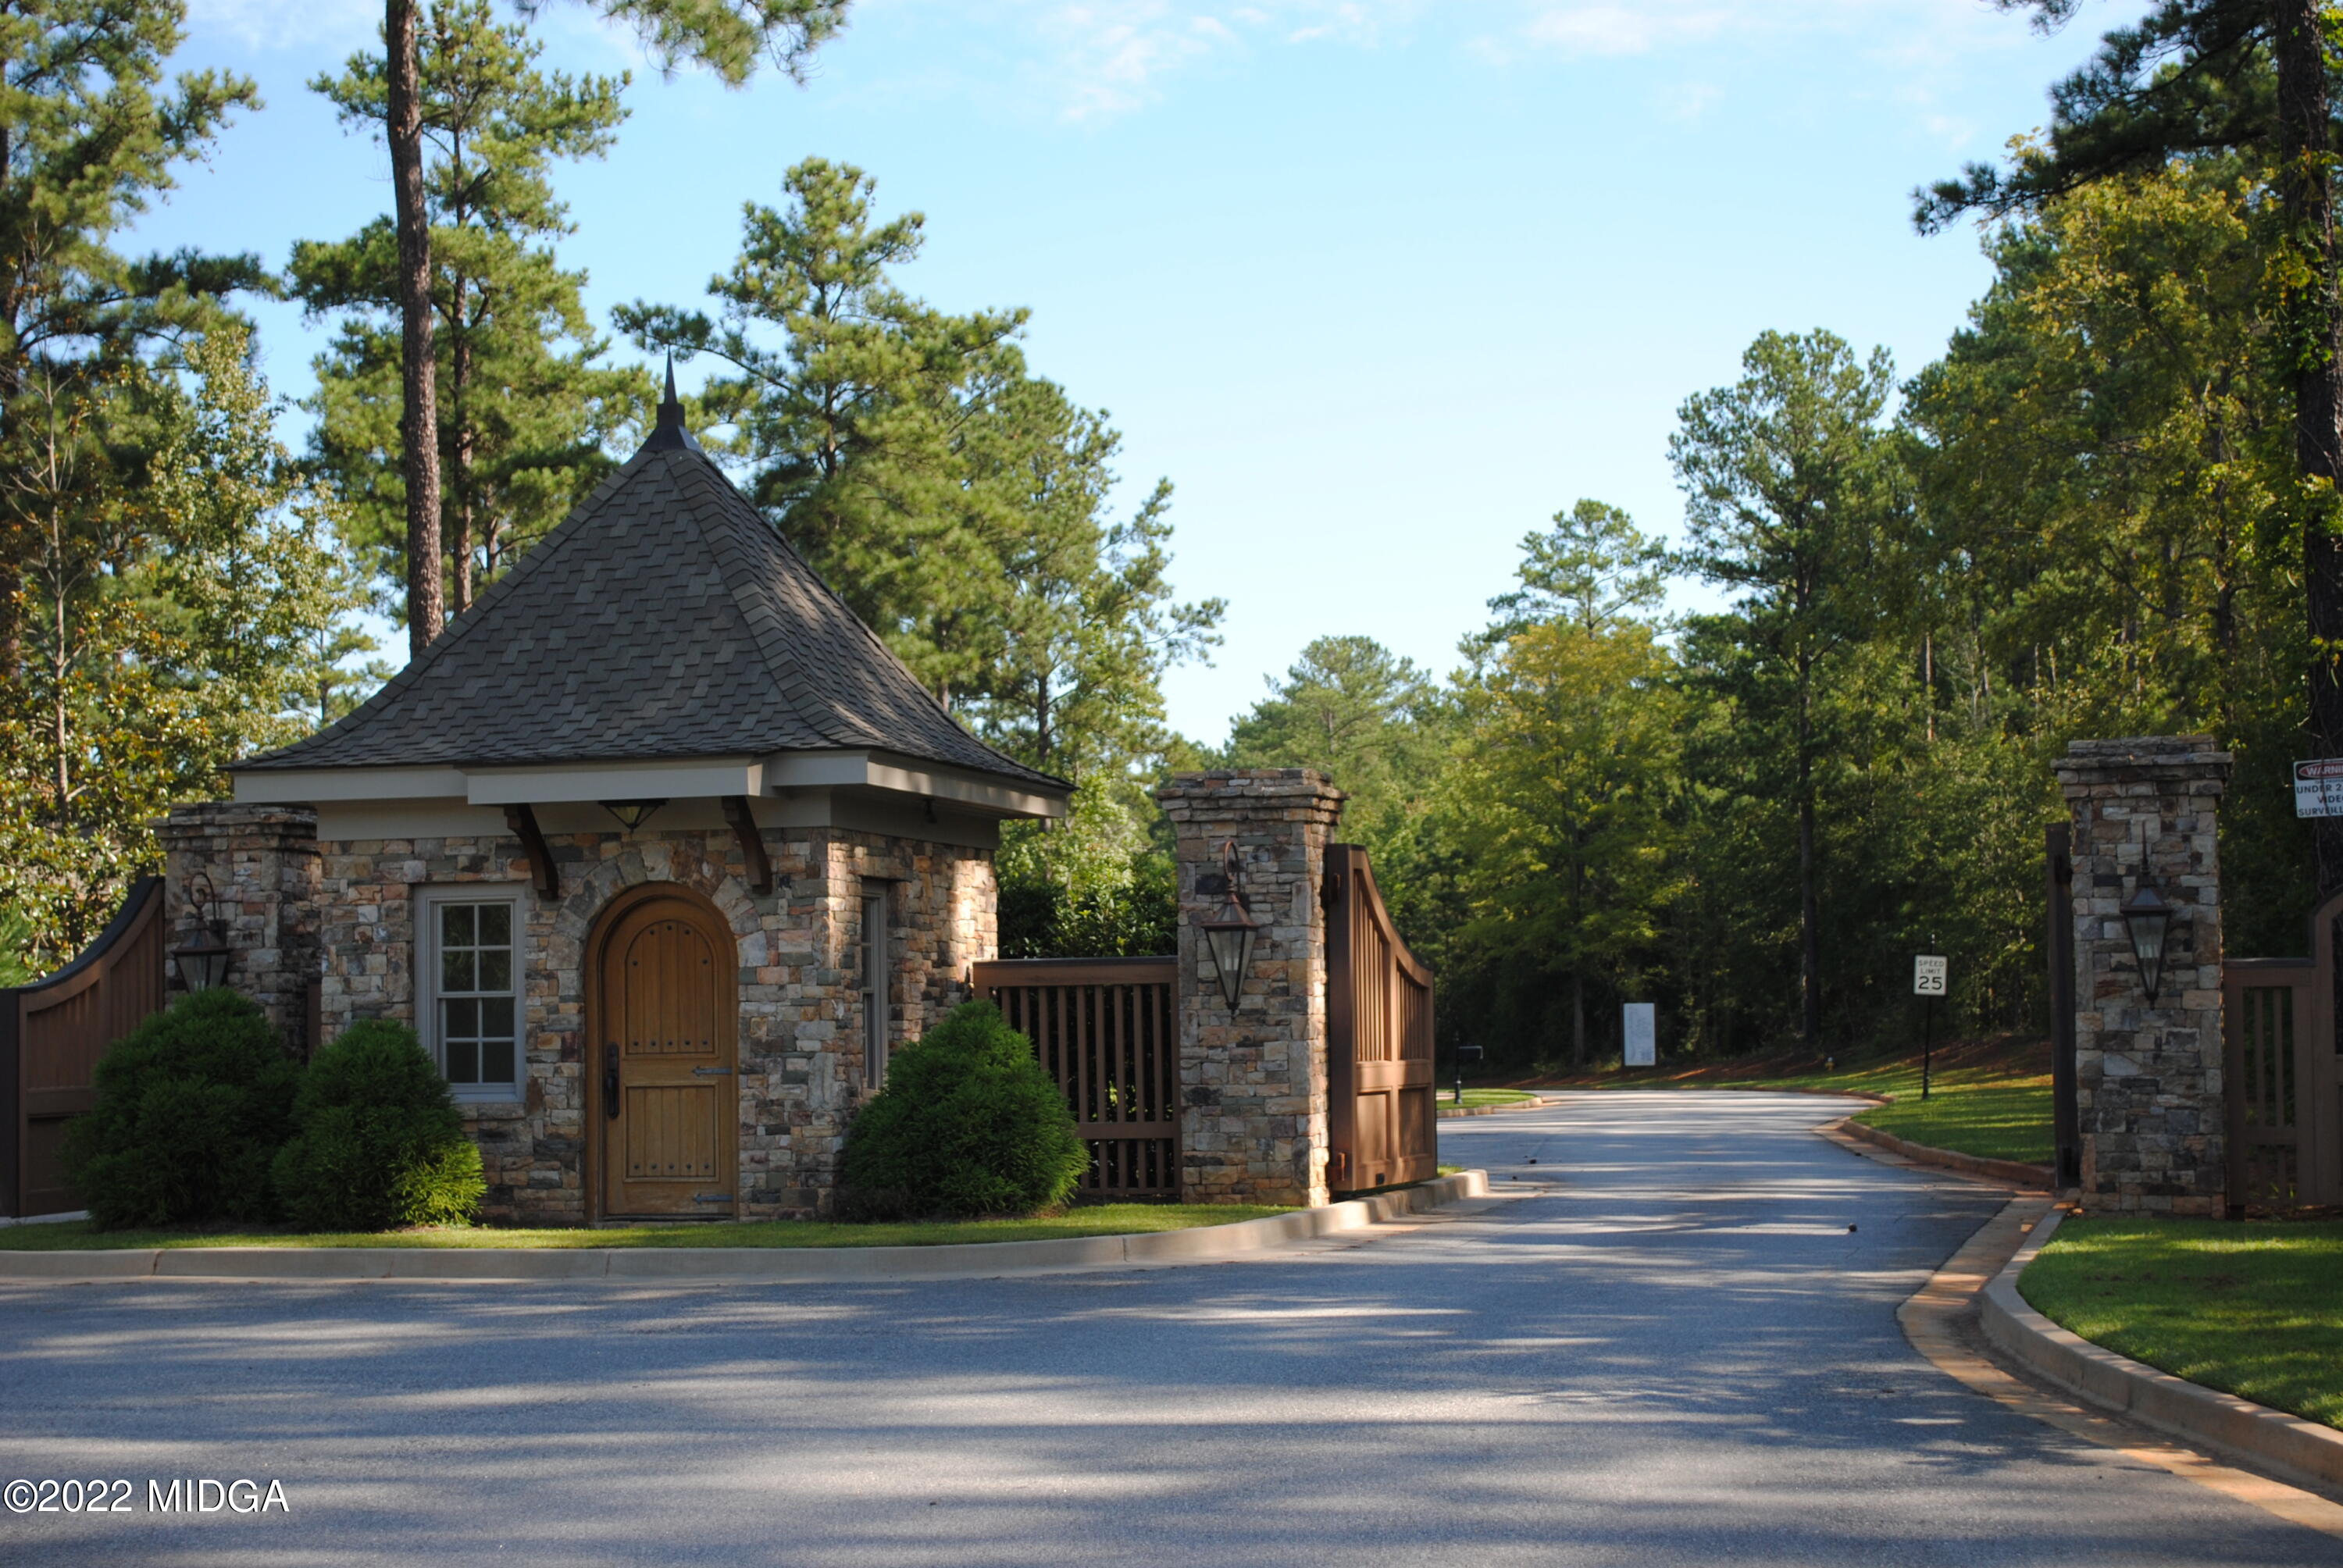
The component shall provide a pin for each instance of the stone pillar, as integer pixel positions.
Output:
(2148, 1078)
(262, 862)
(1252, 1082)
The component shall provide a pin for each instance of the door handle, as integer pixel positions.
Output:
(610, 1080)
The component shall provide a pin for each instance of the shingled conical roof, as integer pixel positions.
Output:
(666, 617)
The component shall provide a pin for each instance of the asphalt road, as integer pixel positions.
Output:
(1668, 1348)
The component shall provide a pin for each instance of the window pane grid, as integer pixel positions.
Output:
(479, 1008)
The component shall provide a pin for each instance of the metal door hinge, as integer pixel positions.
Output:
(711, 1197)
(712, 1072)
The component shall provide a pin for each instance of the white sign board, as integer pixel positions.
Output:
(1641, 1034)
(2318, 788)
(1928, 975)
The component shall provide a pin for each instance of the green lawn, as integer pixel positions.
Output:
(1103, 1220)
(2255, 1310)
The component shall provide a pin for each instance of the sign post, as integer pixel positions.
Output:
(1639, 1035)
(1927, 984)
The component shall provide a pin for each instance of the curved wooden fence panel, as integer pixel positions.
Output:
(1107, 1030)
(52, 1033)
(1383, 1127)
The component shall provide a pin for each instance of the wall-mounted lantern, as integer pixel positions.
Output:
(632, 814)
(2147, 916)
(203, 960)
(1230, 931)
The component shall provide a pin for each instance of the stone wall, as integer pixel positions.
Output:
(800, 1046)
(2148, 1078)
(1252, 1080)
(263, 866)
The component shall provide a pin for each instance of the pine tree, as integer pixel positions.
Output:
(524, 410)
(856, 404)
(2254, 77)
(725, 36)
(87, 138)
(1785, 475)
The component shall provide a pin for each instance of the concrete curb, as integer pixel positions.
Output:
(768, 1266)
(2018, 1173)
(1446, 1111)
(2296, 1448)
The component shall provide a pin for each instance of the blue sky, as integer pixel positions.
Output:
(1379, 285)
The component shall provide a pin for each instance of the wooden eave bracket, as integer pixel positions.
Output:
(752, 844)
(542, 871)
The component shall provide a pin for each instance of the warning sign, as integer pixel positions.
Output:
(2318, 788)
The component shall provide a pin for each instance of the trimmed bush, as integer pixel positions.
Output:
(192, 1107)
(378, 1142)
(968, 1123)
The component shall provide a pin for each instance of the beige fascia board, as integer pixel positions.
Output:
(884, 770)
(308, 786)
(678, 779)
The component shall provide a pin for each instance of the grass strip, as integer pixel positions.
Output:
(1101, 1219)
(2255, 1310)
(1447, 1099)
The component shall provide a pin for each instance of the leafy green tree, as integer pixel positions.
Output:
(1594, 569)
(1788, 478)
(1362, 715)
(183, 613)
(1561, 801)
(2252, 77)
(729, 37)
(1085, 623)
(524, 411)
(90, 136)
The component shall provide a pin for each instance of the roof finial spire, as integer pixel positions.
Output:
(669, 433)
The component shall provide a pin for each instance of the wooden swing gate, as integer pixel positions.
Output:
(52, 1033)
(1382, 1123)
(2283, 1072)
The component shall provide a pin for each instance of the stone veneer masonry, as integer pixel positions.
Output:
(800, 1051)
(262, 862)
(1253, 1083)
(2148, 1078)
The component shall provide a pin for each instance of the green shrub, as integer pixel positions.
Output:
(192, 1107)
(968, 1123)
(377, 1140)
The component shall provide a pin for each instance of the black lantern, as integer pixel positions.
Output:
(1229, 930)
(2147, 916)
(203, 960)
(632, 814)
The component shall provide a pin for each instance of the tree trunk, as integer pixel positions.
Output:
(2307, 189)
(460, 373)
(1578, 1018)
(1810, 920)
(418, 392)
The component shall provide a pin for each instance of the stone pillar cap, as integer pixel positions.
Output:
(1248, 782)
(2143, 757)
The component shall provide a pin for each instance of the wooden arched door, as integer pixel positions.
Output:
(664, 1014)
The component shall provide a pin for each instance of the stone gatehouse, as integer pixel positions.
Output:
(657, 847)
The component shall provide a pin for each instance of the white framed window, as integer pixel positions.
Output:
(872, 967)
(470, 1001)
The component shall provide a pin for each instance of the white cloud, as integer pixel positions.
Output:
(289, 23)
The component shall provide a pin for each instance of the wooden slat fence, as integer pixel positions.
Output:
(1382, 1126)
(52, 1033)
(1107, 1030)
(2283, 1071)
(2268, 1012)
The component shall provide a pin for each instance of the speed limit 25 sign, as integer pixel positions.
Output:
(1928, 975)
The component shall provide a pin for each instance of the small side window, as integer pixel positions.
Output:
(472, 1014)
